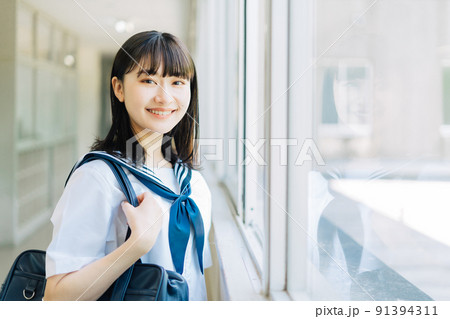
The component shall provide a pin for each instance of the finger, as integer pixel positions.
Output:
(140, 198)
(145, 194)
(126, 206)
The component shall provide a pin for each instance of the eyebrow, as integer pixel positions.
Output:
(146, 72)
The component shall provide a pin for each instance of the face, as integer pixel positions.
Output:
(351, 101)
(153, 102)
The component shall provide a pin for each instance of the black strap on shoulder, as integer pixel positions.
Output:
(121, 177)
(125, 184)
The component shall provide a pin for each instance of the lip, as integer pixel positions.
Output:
(159, 116)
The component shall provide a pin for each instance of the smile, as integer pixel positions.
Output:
(161, 114)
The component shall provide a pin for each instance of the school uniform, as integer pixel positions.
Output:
(89, 223)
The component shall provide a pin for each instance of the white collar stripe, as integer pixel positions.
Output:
(147, 173)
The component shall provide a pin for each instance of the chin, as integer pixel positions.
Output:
(161, 130)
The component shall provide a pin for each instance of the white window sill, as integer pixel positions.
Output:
(233, 275)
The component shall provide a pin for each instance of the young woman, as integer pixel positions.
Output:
(154, 104)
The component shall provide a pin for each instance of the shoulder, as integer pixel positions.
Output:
(89, 194)
(96, 172)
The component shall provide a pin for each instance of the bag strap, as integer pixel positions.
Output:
(121, 284)
(126, 186)
(121, 177)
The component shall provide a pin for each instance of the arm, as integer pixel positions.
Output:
(90, 282)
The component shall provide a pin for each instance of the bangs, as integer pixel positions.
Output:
(166, 52)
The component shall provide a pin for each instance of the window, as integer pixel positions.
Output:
(45, 117)
(377, 206)
(231, 55)
(254, 139)
(365, 88)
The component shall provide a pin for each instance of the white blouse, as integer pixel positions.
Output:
(89, 223)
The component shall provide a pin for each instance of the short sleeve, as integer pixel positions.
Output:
(81, 222)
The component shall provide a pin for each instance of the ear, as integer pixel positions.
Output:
(118, 88)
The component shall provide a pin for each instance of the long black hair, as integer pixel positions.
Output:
(148, 51)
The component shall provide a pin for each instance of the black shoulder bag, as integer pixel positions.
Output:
(141, 282)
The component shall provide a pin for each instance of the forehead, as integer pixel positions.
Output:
(169, 62)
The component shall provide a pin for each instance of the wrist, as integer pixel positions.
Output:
(140, 245)
(135, 246)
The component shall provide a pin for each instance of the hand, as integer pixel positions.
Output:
(145, 221)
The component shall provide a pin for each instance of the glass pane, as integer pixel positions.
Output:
(44, 104)
(24, 97)
(58, 107)
(70, 104)
(255, 105)
(232, 96)
(57, 46)
(44, 38)
(378, 208)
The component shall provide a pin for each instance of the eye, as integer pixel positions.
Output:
(178, 82)
(149, 81)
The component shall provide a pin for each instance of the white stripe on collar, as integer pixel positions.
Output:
(181, 171)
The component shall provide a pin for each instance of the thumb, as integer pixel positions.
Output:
(141, 197)
(126, 206)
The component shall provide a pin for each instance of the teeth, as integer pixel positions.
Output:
(160, 113)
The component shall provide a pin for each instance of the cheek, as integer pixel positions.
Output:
(135, 98)
(181, 114)
(185, 105)
(185, 99)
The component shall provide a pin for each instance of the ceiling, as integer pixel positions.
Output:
(93, 21)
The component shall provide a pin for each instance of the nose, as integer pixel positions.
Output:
(162, 95)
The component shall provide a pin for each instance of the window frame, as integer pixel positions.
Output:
(300, 122)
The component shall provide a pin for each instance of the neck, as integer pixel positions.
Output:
(151, 142)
